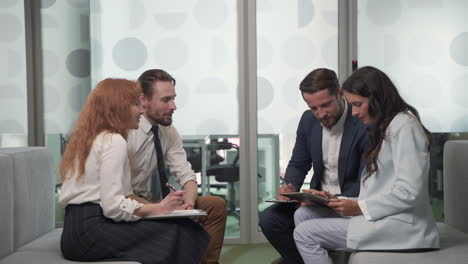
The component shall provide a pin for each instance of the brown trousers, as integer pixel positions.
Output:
(214, 224)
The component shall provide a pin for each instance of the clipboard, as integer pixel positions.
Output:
(178, 214)
(307, 197)
(281, 201)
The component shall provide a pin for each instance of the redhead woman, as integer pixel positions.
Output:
(101, 221)
(392, 211)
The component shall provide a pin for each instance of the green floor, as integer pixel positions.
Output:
(246, 254)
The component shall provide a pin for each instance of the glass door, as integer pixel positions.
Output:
(293, 38)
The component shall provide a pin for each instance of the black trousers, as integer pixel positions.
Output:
(277, 224)
(89, 236)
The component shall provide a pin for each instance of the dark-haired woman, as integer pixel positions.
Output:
(392, 211)
(101, 221)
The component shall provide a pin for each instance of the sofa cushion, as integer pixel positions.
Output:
(49, 258)
(453, 249)
(455, 184)
(34, 183)
(49, 242)
(6, 205)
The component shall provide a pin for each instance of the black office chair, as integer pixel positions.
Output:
(228, 173)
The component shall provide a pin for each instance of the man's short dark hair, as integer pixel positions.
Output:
(149, 77)
(320, 79)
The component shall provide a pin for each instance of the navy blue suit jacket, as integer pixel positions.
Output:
(307, 152)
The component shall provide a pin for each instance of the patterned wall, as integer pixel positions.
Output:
(422, 45)
(66, 61)
(13, 100)
(194, 40)
(66, 66)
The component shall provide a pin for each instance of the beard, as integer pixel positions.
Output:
(333, 118)
(165, 120)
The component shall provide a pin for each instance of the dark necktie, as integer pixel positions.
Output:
(160, 160)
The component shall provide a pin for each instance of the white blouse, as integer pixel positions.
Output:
(106, 180)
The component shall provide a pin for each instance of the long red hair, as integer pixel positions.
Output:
(108, 108)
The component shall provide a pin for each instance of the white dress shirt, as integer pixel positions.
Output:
(143, 155)
(331, 141)
(106, 180)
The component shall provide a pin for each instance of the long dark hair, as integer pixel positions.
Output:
(384, 104)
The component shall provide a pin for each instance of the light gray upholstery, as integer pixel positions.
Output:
(33, 192)
(27, 187)
(453, 249)
(6, 206)
(453, 242)
(47, 258)
(456, 184)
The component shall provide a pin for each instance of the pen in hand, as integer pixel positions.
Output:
(171, 187)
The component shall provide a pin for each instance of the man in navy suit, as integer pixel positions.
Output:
(331, 141)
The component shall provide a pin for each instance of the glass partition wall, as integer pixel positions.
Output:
(238, 64)
(421, 45)
(293, 38)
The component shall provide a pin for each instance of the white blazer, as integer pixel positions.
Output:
(395, 200)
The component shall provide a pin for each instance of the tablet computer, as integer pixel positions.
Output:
(307, 197)
(280, 201)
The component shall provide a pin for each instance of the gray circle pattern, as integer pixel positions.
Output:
(212, 126)
(11, 127)
(129, 54)
(8, 3)
(48, 21)
(15, 64)
(79, 3)
(458, 50)
(265, 52)
(305, 12)
(211, 86)
(459, 92)
(290, 126)
(329, 54)
(170, 20)
(424, 49)
(78, 63)
(291, 93)
(11, 91)
(210, 13)
(264, 6)
(183, 94)
(297, 52)
(11, 29)
(50, 63)
(171, 53)
(47, 3)
(51, 99)
(220, 52)
(383, 13)
(331, 17)
(51, 127)
(96, 47)
(431, 87)
(425, 3)
(264, 127)
(77, 96)
(265, 93)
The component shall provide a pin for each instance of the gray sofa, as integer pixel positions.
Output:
(454, 230)
(27, 221)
